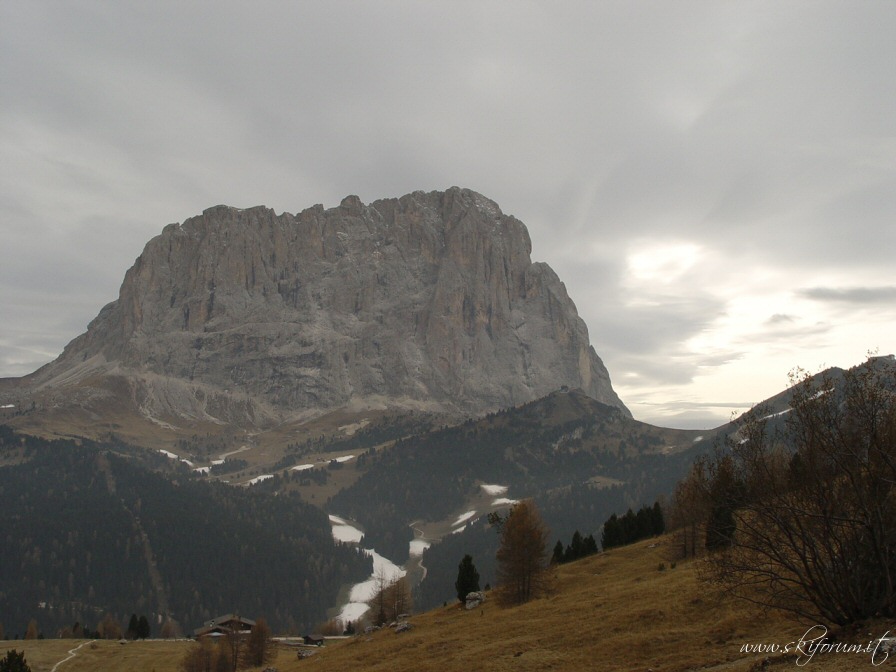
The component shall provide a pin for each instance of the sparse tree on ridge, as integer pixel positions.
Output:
(522, 557)
(392, 598)
(233, 647)
(380, 598)
(400, 596)
(815, 531)
(260, 647)
(723, 499)
(169, 629)
(690, 508)
(207, 656)
(109, 627)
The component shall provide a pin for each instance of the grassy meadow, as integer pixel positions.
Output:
(615, 611)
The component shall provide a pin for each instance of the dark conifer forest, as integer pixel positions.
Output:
(89, 530)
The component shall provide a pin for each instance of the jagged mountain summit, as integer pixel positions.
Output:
(246, 318)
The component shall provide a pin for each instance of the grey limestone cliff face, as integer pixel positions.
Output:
(428, 301)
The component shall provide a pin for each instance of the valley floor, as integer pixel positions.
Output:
(615, 611)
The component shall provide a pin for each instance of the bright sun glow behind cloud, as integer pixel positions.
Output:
(764, 324)
(754, 318)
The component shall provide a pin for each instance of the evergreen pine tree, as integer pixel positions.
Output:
(575, 548)
(557, 557)
(629, 528)
(467, 578)
(143, 629)
(14, 662)
(643, 525)
(659, 523)
(589, 545)
(612, 534)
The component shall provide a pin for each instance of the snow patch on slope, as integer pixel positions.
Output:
(174, 456)
(384, 570)
(259, 479)
(464, 517)
(344, 532)
(362, 593)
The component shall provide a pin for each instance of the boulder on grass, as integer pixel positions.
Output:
(474, 599)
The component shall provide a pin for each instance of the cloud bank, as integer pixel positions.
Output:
(714, 182)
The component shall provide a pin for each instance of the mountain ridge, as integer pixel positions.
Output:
(246, 318)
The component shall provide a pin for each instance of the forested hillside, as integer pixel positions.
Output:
(88, 530)
(555, 445)
(583, 508)
(579, 459)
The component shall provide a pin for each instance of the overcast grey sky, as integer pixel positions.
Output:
(715, 182)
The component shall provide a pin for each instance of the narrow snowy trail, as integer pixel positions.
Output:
(71, 654)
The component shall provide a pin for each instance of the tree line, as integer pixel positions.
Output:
(430, 476)
(579, 547)
(632, 527)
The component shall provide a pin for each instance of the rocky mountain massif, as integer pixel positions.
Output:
(247, 319)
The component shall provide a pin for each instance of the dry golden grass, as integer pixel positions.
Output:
(615, 611)
(612, 612)
(41, 654)
(105, 656)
